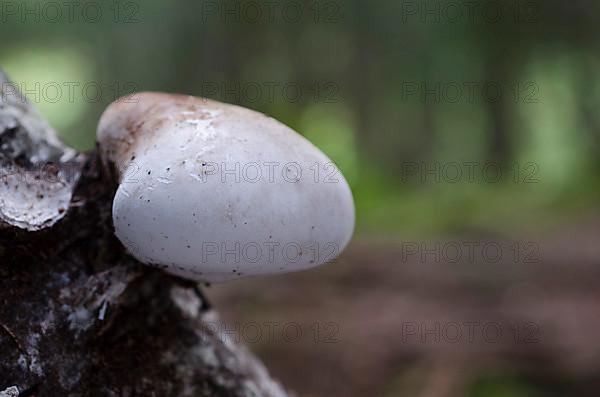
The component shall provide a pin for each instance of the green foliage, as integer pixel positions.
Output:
(355, 66)
(505, 387)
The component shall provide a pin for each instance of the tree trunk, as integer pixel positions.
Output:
(78, 316)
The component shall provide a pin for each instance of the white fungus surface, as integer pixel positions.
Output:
(213, 192)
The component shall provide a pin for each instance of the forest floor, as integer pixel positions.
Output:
(356, 328)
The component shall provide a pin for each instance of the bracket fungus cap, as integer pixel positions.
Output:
(212, 192)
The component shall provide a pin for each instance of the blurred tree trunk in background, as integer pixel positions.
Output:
(502, 109)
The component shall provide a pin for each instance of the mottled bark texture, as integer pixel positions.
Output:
(78, 316)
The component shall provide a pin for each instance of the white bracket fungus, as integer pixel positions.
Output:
(210, 191)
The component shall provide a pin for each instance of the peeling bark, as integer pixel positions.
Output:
(38, 171)
(78, 316)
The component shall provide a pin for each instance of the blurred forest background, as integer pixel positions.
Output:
(352, 77)
(387, 89)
